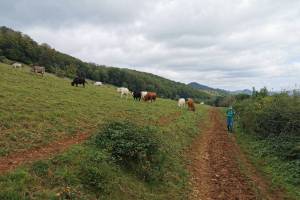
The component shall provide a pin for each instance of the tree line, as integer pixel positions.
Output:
(20, 47)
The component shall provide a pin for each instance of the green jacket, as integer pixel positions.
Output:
(230, 113)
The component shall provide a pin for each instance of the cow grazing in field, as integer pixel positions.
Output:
(124, 91)
(143, 94)
(17, 65)
(38, 70)
(181, 102)
(79, 80)
(150, 96)
(98, 83)
(137, 95)
(191, 104)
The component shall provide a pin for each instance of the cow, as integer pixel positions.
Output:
(98, 83)
(150, 96)
(78, 80)
(143, 94)
(181, 102)
(17, 65)
(137, 95)
(124, 91)
(38, 70)
(191, 104)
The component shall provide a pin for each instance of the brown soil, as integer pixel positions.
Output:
(167, 119)
(14, 160)
(216, 163)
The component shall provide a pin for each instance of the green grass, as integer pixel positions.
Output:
(283, 173)
(37, 110)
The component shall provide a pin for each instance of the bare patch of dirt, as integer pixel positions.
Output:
(167, 119)
(215, 167)
(14, 160)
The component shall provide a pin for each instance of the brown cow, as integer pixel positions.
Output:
(150, 96)
(191, 104)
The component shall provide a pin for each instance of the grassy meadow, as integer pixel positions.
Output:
(36, 110)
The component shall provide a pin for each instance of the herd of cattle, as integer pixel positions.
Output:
(137, 95)
(151, 96)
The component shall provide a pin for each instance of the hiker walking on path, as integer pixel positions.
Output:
(230, 115)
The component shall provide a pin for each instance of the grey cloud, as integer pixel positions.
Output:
(232, 44)
(59, 13)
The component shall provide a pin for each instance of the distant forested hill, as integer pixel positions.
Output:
(20, 47)
(214, 91)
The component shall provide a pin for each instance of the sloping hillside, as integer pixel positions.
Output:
(217, 91)
(19, 47)
(39, 114)
(210, 90)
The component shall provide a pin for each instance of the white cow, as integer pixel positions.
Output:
(181, 102)
(124, 91)
(17, 65)
(98, 83)
(143, 94)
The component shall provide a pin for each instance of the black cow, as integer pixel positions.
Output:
(137, 95)
(78, 80)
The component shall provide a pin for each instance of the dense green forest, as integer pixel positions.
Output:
(20, 47)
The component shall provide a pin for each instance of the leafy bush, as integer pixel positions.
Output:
(134, 148)
(274, 118)
(273, 115)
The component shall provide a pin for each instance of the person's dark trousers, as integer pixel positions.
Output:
(230, 124)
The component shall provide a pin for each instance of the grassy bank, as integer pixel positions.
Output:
(283, 173)
(37, 110)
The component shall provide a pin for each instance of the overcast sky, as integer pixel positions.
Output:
(229, 44)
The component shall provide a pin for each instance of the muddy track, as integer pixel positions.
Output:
(14, 160)
(216, 163)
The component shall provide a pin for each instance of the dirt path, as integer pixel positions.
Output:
(14, 160)
(216, 162)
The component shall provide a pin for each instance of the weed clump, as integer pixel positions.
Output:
(13, 185)
(40, 168)
(134, 148)
(96, 173)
